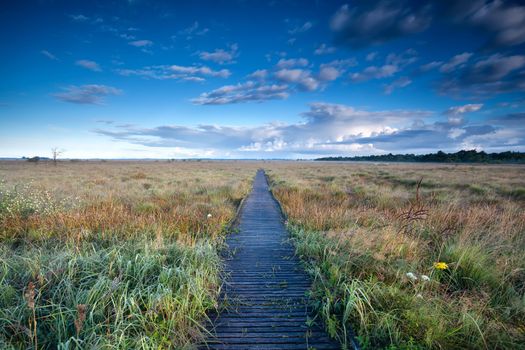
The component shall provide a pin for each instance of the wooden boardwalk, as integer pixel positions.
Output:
(265, 290)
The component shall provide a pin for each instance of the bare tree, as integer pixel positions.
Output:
(55, 152)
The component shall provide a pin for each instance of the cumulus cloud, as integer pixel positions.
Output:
(288, 76)
(259, 74)
(91, 65)
(456, 113)
(246, 92)
(334, 69)
(87, 94)
(164, 72)
(325, 129)
(377, 22)
(221, 56)
(302, 77)
(332, 129)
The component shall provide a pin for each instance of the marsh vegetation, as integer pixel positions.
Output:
(119, 255)
(112, 255)
(412, 256)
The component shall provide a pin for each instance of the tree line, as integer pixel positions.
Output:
(465, 156)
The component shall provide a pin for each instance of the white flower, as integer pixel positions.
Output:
(411, 276)
(419, 296)
(425, 278)
(209, 216)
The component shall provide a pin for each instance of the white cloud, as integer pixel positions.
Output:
(301, 28)
(141, 43)
(87, 94)
(397, 84)
(323, 49)
(454, 62)
(164, 72)
(292, 62)
(394, 63)
(91, 65)
(325, 129)
(374, 72)
(473, 107)
(221, 56)
(259, 74)
(79, 18)
(191, 31)
(303, 78)
(246, 92)
(333, 70)
(49, 55)
(455, 113)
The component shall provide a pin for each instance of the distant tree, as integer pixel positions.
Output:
(33, 159)
(463, 156)
(55, 153)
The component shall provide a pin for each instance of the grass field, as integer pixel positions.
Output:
(376, 242)
(120, 255)
(112, 255)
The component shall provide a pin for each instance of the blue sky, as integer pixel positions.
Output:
(260, 79)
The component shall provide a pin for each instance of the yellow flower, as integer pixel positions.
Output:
(441, 265)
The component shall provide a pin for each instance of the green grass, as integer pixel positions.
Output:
(371, 243)
(137, 295)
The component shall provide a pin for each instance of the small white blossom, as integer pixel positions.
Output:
(209, 216)
(411, 276)
(425, 278)
(419, 296)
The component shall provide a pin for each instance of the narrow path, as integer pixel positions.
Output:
(265, 291)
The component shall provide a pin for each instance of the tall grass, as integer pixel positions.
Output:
(371, 240)
(112, 255)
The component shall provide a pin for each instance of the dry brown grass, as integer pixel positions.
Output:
(364, 223)
(113, 254)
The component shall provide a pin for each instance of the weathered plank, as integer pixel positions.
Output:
(266, 289)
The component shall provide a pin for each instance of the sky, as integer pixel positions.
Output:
(260, 79)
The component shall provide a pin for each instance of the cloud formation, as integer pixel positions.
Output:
(325, 129)
(324, 49)
(487, 76)
(221, 56)
(186, 73)
(503, 21)
(245, 92)
(141, 43)
(287, 76)
(91, 65)
(397, 84)
(87, 94)
(194, 30)
(49, 55)
(336, 129)
(301, 28)
(370, 23)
